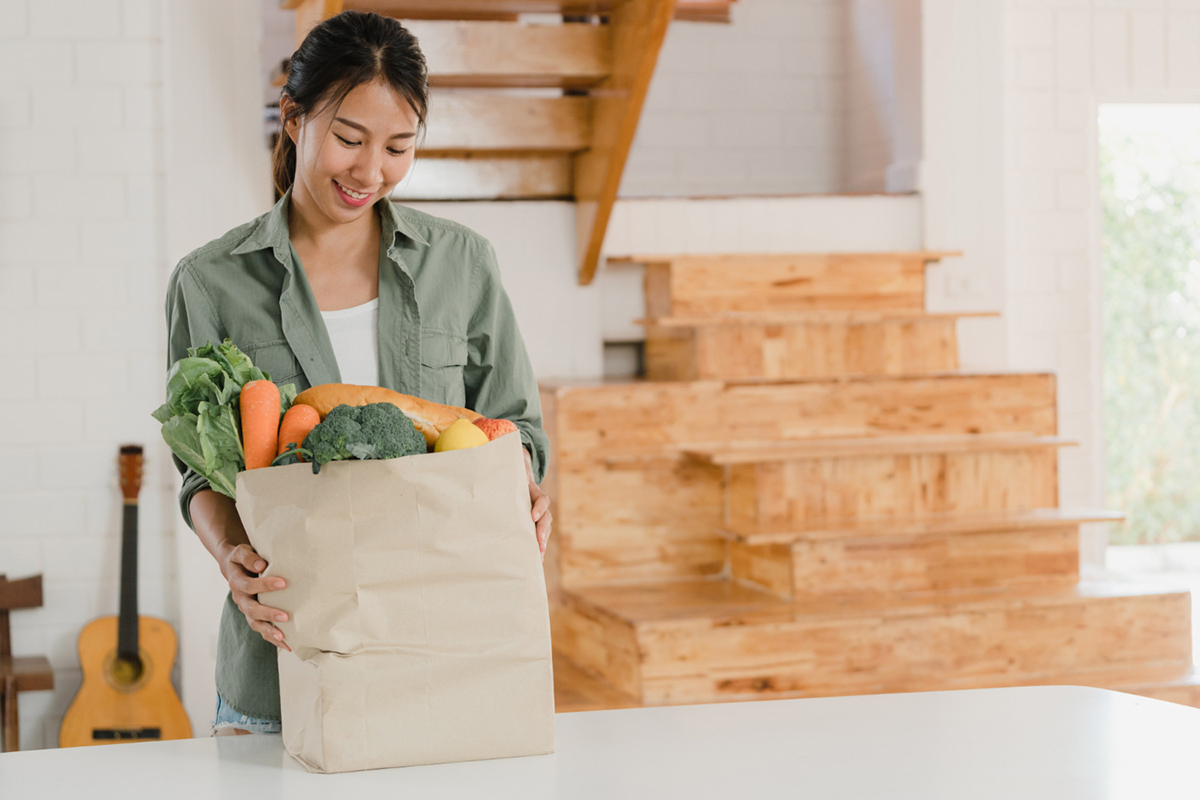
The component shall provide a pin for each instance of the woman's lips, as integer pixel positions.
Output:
(352, 201)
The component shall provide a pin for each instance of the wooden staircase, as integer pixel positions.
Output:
(806, 499)
(532, 111)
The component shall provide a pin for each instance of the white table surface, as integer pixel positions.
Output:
(1024, 743)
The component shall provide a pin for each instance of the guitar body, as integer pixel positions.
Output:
(110, 707)
(126, 694)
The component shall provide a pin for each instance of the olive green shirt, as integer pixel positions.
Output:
(447, 333)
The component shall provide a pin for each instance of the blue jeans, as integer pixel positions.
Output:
(226, 717)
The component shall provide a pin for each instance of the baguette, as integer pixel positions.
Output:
(429, 418)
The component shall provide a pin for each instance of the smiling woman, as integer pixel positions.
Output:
(336, 284)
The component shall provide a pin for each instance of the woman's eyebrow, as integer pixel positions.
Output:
(356, 126)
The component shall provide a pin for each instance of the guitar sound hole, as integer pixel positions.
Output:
(127, 670)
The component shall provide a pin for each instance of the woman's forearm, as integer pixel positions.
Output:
(217, 524)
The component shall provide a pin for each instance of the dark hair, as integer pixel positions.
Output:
(341, 53)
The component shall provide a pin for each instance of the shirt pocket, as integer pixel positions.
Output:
(443, 358)
(276, 359)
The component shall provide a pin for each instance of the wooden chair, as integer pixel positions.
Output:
(24, 673)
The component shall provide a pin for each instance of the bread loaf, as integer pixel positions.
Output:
(429, 418)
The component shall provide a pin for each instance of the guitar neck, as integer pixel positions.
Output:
(127, 624)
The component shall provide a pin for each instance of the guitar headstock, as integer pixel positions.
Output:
(131, 471)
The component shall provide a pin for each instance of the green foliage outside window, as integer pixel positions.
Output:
(1150, 196)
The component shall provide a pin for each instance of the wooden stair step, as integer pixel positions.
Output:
(464, 120)
(510, 54)
(575, 689)
(788, 345)
(769, 452)
(700, 10)
(491, 176)
(630, 506)
(599, 419)
(1184, 690)
(940, 552)
(707, 285)
(698, 641)
(730, 453)
(818, 316)
(928, 525)
(795, 483)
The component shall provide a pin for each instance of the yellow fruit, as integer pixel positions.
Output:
(459, 435)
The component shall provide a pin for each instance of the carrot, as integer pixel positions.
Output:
(259, 403)
(297, 422)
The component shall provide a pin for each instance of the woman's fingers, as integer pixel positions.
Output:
(270, 633)
(251, 561)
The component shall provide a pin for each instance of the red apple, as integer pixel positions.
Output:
(495, 428)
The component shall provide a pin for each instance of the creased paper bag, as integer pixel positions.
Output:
(417, 607)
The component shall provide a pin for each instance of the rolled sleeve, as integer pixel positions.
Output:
(191, 322)
(499, 375)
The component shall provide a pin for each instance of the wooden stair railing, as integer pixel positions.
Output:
(485, 142)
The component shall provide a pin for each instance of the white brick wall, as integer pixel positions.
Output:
(1063, 58)
(754, 107)
(80, 138)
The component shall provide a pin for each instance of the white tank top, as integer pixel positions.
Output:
(354, 334)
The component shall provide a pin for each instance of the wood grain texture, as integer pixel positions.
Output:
(629, 507)
(716, 285)
(493, 176)
(772, 452)
(576, 689)
(803, 492)
(709, 640)
(478, 121)
(510, 54)
(849, 567)
(697, 10)
(639, 28)
(801, 350)
(1185, 691)
(596, 420)
(925, 525)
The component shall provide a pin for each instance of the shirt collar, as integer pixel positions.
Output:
(271, 233)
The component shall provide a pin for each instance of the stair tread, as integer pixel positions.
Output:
(723, 454)
(575, 689)
(576, 383)
(664, 258)
(932, 525)
(722, 602)
(816, 316)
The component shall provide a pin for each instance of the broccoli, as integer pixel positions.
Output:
(376, 430)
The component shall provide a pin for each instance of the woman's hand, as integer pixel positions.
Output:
(240, 568)
(541, 507)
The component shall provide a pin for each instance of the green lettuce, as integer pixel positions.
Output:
(201, 420)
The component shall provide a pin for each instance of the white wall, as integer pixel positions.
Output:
(882, 146)
(1062, 60)
(753, 107)
(81, 307)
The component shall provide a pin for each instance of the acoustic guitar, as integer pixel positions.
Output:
(126, 693)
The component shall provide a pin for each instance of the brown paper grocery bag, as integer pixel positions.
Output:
(418, 616)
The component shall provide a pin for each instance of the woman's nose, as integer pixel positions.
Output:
(369, 168)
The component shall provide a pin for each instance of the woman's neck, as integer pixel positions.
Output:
(310, 229)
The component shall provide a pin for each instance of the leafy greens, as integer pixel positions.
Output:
(200, 420)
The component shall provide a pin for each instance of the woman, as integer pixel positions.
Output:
(337, 285)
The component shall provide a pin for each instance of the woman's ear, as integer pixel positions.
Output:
(289, 117)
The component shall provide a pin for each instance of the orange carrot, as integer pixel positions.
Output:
(297, 422)
(260, 422)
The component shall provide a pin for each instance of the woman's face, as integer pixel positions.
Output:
(349, 157)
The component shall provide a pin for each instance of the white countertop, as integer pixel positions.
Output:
(1026, 743)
